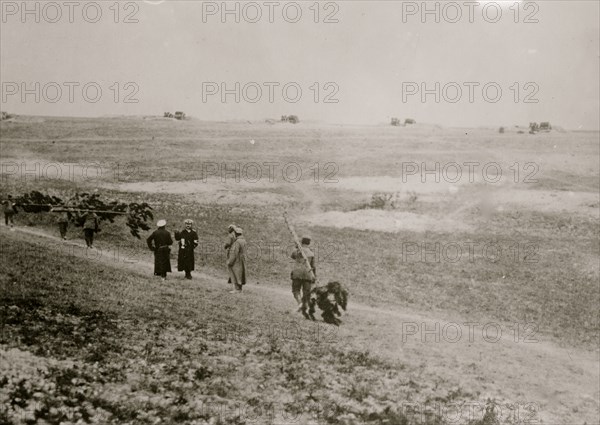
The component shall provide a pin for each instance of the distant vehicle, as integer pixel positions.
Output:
(395, 122)
(290, 118)
(533, 127)
(409, 121)
(179, 115)
(168, 115)
(501, 130)
(545, 126)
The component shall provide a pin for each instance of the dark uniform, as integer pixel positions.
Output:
(160, 241)
(9, 209)
(188, 241)
(302, 278)
(90, 226)
(63, 223)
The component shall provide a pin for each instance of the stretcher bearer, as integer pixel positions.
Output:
(90, 226)
(63, 223)
(9, 208)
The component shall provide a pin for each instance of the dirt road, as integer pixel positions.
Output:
(511, 363)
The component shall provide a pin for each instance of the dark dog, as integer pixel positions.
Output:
(329, 298)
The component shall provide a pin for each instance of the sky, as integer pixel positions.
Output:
(363, 62)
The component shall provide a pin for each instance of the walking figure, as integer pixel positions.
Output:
(236, 262)
(90, 226)
(10, 209)
(303, 277)
(63, 224)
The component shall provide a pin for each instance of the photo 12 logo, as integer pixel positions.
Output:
(253, 172)
(52, 12)
(468, 91)
(68, 92)
(270, 11)
(453, 12)
(268, 92)
(454, 252)
(469, 332)
(469, 172)
(73, 172)
(466, 412)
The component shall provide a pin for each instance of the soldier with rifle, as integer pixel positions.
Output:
(304, 273)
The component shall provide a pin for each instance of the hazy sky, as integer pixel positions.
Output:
(377, 58)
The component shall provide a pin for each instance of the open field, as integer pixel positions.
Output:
(510, 242)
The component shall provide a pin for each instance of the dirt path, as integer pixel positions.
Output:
(511, 364)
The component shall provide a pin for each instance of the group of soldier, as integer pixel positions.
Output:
(303, 275)
(160, 241)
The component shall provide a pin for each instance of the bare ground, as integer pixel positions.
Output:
(561, 383)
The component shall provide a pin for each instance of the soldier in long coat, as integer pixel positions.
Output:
(188, 241)
(160, 243)
(229, 243)
(302, 276)
(236, 261)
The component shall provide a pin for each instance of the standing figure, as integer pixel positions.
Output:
(90, 226)
(63, 223)
(236, 262)
(188, 241)
(302, 276)
(229, 243)
(10, 209)
(160, 243)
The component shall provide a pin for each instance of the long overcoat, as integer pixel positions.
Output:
(236, 261)
(188, 241)
(160, 242)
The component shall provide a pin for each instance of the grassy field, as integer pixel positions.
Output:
(542, 271)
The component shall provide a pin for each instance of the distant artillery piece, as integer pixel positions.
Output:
(533, 127)
(543, 126)
(177, 115)
(290, 118)
(395, 122)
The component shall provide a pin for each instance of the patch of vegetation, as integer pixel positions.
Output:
(97, 365)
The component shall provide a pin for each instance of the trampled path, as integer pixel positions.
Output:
(510, 363)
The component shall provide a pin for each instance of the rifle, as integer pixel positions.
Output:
(298, 245)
